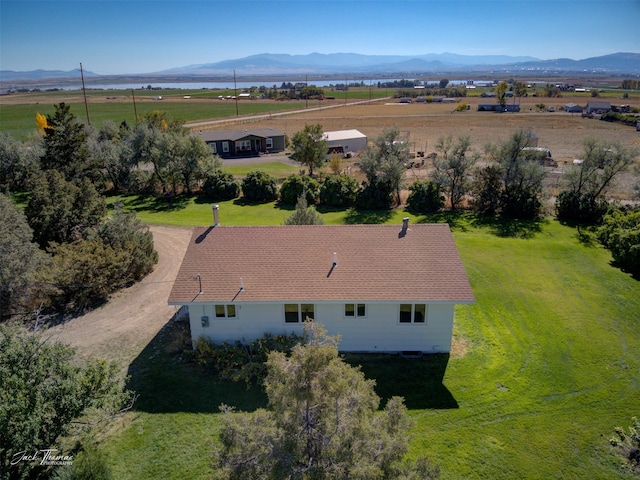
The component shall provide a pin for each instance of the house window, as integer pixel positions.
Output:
(243, 146)
(413, 313)
(225, 311)
(269, 142)
(296, 313)
(225, 147)
(214, 147)
(355, 310)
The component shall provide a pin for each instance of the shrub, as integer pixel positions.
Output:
(304, 215)
(221, 186)
(629, 443)
(520, 203)
(425, 197)
(486, 189)
(296, 185)
(582, 208)
(124, 232)
(630, 120)
(240, 361)
(377, 196)
(339, 191)
(620, 233)
(259, 187)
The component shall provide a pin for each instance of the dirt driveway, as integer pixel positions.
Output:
(121, 328)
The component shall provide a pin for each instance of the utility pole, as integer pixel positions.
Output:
(86, 106)
(135, 110)
(235, 91)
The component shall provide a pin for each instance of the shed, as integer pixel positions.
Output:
(573, 108)
(346, 140)
(598, 107)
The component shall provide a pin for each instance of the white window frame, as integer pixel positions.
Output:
(356, 310)
(225, 147)
(269, 142)
(243, 146)
(229, 310)
(214, 148)
(423, 307)
(300, 312)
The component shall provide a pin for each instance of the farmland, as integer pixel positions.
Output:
(545, 363)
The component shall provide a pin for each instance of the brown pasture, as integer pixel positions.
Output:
(424, 123)
(563, 133)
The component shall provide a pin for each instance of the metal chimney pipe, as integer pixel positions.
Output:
(216, 218)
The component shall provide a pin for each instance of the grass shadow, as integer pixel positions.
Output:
(586, 236)
(243, 202)
(509, 227)
(167, 382)
(457, 220)
(155, 203)
(418, 380)
(354, 216)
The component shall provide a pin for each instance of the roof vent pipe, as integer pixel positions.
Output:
(405, 226)
(335, 259)
(216, 218)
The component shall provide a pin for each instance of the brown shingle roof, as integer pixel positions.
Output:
(234, 135)
(294, 263)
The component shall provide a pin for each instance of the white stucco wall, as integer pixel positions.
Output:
(379, 331)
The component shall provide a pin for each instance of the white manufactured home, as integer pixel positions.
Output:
(382, 288)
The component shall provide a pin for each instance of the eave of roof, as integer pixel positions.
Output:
(235, 135)
(375, 263)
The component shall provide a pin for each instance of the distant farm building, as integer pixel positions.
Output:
(496, 107)
(598, 107)
(573, 108)
(345, 141)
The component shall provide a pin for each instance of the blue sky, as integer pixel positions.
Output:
(142, 36)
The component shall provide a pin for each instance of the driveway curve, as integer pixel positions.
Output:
(121, 328)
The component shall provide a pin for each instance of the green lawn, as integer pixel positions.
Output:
(551, 364)
(19, 119)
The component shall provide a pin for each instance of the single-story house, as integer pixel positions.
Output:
(598, 107)
(382, 288)
(573, 108)
(344, 141)
(244, 143)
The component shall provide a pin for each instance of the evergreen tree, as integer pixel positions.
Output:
(322, 422)
(65, 145)
(304, 215)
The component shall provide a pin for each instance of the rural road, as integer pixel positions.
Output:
(120, 329)
(267, 116)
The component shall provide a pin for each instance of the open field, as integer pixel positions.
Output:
(424, 123)
(561, 132)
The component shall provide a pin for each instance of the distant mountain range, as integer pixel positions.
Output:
(268, 64)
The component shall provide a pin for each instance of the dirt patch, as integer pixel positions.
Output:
(459, 346)
(121, 328)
